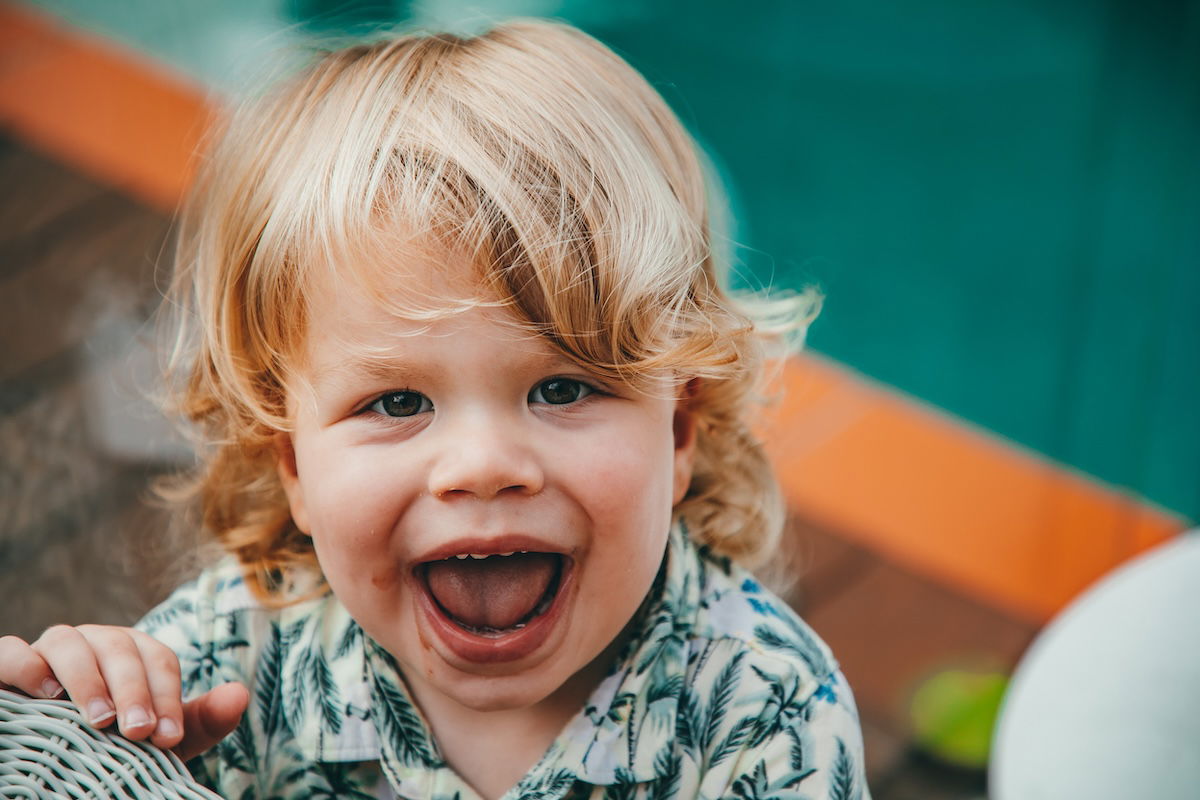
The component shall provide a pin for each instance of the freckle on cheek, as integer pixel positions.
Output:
(384, 580)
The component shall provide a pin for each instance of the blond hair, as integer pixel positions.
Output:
(546, 159)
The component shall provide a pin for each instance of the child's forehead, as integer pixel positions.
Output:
(416, 281)
(372, 303)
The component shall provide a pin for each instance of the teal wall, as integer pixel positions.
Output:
(1000, 199)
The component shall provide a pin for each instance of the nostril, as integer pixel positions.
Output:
(482, 470)
(451, 492)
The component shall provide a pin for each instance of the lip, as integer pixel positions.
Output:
(491, 546)
(512, 646)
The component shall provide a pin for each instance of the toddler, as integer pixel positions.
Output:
(475, 410)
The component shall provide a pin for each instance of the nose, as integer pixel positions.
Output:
(485, 458)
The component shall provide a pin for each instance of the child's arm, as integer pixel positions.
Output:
(126, 675)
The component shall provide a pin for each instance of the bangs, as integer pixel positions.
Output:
(574, 200)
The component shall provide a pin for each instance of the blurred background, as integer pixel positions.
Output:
(1000, 199)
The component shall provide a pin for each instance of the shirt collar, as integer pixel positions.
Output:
(351, 703)
(625, 732)
(325, 698)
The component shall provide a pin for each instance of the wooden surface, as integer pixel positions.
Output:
(77, 285)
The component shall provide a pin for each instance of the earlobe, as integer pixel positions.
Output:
(289, 478)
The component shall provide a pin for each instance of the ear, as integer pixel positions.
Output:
(289, 477)
(683, 426)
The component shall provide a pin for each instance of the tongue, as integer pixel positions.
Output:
(495, 592)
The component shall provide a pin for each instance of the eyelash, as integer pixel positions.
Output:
(425, 405)
(587, 390)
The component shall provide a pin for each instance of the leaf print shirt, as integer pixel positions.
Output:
(723, 692)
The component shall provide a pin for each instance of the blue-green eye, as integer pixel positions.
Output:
(401, 404)
(559, 391)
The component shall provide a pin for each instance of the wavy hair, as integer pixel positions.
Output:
(554, 166)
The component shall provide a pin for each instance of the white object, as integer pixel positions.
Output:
(1106, 703)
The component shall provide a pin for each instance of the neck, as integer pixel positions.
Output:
(494, 750)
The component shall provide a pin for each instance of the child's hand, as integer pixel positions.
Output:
(125, 675)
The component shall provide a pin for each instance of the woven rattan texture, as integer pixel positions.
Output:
(47, 750)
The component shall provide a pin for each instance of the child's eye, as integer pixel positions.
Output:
(401, 404)
(559, 391)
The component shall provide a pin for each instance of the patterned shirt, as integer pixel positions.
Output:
(722, 692)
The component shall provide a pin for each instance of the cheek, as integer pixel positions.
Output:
(364, 576)
(343, 489)
(355, 561)
(631, 462)
(348, 520)
(352, 515)
(628, 492)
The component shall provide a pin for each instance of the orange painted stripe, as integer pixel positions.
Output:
(103, 110)
(933, 494)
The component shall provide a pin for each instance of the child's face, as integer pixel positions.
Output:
(421, 445)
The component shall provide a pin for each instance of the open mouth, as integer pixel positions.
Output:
(494, 595)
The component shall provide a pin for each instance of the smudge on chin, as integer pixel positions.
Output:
(384, 580)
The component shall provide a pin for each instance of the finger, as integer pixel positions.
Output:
(162, 675)
(23, 668)
(70, 658)
(121, 666)
(211, 717)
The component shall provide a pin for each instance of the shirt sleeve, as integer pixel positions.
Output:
(814, 753)
(177, 622)
(211, 627)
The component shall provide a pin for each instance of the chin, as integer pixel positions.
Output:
(499, 693)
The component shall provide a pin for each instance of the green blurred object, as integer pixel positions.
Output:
(954, 713)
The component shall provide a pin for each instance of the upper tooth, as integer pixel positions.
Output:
(461, 556)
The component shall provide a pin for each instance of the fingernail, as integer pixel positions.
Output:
(167, 728)
(51, 688)
(136, 717)
(100, 710)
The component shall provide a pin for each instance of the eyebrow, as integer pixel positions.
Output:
(392, 368)
(382, 369)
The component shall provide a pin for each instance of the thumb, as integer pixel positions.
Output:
(210, 718)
